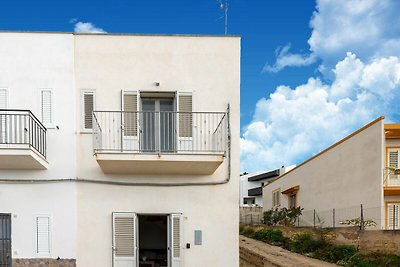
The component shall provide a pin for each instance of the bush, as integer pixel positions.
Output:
(282, 216)
(304, 243)
(339, 253)
(247, 231)
(273, 237)
(373, 260)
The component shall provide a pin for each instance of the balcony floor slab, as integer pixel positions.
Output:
(21, 157)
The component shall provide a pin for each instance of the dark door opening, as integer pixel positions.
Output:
(5, 240)
(153, 240)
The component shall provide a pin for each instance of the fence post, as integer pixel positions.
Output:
(314, 218)
(362, 218)
(394, 217)
(333, 215)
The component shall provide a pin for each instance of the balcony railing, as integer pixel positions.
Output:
(21, 127)
(160, 132)
(391, 177)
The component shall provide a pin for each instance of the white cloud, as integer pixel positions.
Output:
(86, 27)
(284, 59)
(295, 123)
(368, 28)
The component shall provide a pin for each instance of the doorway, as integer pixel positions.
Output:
(158, 125)
(5, 240)
(153, 240)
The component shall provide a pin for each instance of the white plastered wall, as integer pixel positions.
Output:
(210, 68)
(343, 177)
(30, 62)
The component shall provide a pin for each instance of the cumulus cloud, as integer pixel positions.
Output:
(368, 28)
(86, 27)
(295, 123)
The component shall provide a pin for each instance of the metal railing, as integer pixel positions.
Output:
(391, 177)
(160, 132)
(21, 127)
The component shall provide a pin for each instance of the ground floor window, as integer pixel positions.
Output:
(249, 201)
(292, 200)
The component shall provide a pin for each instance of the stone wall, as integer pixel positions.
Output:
(44, 263)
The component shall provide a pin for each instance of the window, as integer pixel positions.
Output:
(185, 106)
(43, 237)
(88, 104)
(249, 201)
(46, 107)
(130, 105)
(292, 200)
(276, 198)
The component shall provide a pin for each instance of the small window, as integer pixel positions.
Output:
(292, 200)
(276, 198)
(46, 107)
(249, 201)
(88, 103)
(43, 237)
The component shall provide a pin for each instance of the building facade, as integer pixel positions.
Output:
(117, 150)
(356, 177)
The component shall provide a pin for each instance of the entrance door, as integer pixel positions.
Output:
(158, 125)
(5, 240)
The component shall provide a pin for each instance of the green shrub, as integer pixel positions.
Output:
(282, 216)
(241, 229)
(273, 237)
(247, 231)
(373, 260)
(339, 253)
(304, 243)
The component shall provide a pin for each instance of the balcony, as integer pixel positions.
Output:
(160, 142)
(22, 141)
(391, 183)
(255, 192)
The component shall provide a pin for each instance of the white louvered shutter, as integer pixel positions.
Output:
(46, 105)
(43, 242)
(130, 106)
(393, 216)
(124, 239)
(394, 162)
(3, 117)
(88, 107)
(185, 108)
(176, 240)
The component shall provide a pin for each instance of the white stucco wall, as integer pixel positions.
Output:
(209, 67)
(30, 62)
(343, 177)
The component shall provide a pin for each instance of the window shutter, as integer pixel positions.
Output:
(124, 239)
(130, 106)
(394, 158)
(88, 107)
(176, 239)
(46, 107)
(393, 216)
(43, 234)
(3, 98)
(185, 106)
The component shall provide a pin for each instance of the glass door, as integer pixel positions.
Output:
(158, 125)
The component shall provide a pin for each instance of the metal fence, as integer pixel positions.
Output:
(21, 127)
(160, 132)
(366, 218)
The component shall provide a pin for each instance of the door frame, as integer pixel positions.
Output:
(9, 248)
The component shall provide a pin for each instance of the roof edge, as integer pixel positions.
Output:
(126, 34)
(329, 148)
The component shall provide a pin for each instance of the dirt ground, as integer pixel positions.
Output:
(254, 253)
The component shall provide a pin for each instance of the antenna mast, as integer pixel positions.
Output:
(224, 6)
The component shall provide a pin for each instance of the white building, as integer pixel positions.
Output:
(118, 150)
(250, 187)
(361, 169)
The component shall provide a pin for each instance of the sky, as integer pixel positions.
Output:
(312, 71)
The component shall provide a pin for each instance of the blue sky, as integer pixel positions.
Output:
(312, 71)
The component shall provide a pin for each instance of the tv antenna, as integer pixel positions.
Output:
(224, 6)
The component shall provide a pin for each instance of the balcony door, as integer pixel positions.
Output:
(158, 120)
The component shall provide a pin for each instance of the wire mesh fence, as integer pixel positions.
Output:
(366, 218)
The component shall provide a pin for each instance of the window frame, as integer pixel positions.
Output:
(82, 115)
(276, 192)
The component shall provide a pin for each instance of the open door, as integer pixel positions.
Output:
(124, 239)
(176, 241)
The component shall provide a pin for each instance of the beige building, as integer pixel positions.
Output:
(118, 150)
(361, 169)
